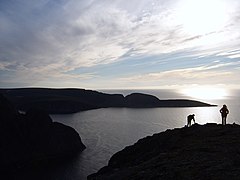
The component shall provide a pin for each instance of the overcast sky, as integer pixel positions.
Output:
(100, 44)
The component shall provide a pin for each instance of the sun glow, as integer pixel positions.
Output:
(202, 16)
(206, 93)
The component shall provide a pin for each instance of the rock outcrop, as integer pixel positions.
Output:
(139, 100)
(202, 152)
(62, 101)
(32, 138)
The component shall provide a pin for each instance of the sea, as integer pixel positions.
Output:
(108, 130)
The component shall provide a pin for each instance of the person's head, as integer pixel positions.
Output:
(193, 114)
(225, 106)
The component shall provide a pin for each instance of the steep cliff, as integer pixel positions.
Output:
(204, 152)
(32, 138)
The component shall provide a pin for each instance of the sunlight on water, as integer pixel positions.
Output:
(108, 130)
(205, 93)
(207, 115)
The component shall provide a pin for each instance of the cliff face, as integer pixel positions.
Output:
(32, 138)
(73, 100)
(208, 151)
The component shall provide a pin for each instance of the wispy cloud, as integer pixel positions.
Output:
(211, 74)
(47, 40)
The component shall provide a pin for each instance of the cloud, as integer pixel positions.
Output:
(49, 39)
(208, 74)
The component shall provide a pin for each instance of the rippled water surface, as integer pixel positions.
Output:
(108, 130)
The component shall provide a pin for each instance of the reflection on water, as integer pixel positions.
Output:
(106, 131)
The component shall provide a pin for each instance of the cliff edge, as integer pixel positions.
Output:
(32, 139)
(208, 151)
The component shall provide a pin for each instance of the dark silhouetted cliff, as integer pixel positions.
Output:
(138, 100)
(32, 138)
(203, 152)
(74, 100)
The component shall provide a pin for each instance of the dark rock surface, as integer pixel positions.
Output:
(138, 100)
(61, 101)
(32, 138)
(205, 152)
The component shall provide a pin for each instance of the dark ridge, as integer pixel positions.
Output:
(139, 100)
(202, 152)
(61, 101)
(31, 139)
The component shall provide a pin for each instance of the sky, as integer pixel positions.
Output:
(119, 44)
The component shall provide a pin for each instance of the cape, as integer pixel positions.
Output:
(62, 101)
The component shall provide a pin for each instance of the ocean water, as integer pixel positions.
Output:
(108, 130)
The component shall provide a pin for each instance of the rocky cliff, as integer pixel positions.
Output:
(32, 138)
(204, 152)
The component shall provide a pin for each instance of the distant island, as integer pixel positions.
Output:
(201, 152)
(63, 101)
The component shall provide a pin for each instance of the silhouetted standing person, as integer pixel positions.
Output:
(189, 119)
(224, 112)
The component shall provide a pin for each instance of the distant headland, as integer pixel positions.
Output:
(63, 101)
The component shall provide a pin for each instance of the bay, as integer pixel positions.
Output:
(108, 130)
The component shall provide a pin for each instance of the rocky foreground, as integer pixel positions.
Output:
(32, 139)
(208, 151)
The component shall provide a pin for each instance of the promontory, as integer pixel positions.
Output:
(61, 101)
